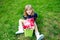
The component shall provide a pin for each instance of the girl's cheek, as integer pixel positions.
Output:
(27, 11)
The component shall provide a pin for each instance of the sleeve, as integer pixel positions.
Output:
(24, 17)
(35, 16)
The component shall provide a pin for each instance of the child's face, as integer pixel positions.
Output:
(29, 11)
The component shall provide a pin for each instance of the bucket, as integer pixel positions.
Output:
(28, 32)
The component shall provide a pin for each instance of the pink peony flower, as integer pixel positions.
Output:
(29, 23)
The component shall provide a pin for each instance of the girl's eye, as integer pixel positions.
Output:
(30, 9)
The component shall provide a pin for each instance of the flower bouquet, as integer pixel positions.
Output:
(28, 26)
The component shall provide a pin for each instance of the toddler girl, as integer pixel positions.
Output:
(29, 13)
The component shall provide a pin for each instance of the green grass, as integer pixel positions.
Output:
(48, 20)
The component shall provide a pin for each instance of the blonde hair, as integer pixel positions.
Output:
(26, 7)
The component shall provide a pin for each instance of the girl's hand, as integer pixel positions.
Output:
(32, 28)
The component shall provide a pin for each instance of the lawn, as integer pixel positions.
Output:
(48, 20)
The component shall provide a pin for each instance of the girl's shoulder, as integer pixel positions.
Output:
(35, 14)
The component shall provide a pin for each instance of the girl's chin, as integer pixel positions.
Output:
(29, 14)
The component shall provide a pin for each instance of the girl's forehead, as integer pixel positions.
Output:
(29, 9)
